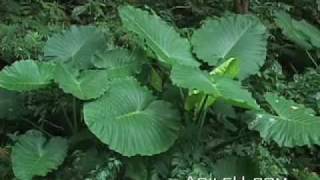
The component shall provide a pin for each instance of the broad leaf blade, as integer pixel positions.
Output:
(78, 45)
(192, 78)
(232, 92)
(295, 125)
(300, 32)
(166, 44)
(119, 62)
(26, 75)
(218, 87)
(34, 155)
(237, 36)
(131, 121)
(85, 85)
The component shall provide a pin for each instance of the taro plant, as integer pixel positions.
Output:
(300, 32)
(123, 112)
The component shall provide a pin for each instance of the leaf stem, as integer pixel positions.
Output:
(312, 59)
(67, 118)
(74, 110)
(202, 114)
(37, 127)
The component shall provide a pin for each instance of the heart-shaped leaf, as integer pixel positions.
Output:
(241, 37)
(76, 45)
(131, 121)
(34, 155)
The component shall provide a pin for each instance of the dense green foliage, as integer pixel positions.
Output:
(152, 90)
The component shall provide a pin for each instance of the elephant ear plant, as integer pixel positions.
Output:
(122, 110)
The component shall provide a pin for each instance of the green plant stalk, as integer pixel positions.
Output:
(68, 120)
(312, 59)
(202, 114)
(74, 110)
(37, 127)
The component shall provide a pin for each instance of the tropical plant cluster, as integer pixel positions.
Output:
(155, 90)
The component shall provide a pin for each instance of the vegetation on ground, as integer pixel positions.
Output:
(157, 90)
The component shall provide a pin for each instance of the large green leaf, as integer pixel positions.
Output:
(119, 62)
(78, 45)
(131, 121)
(295, 124)
(232, 92)
(166, 44)
(218, 87)
(192, 78)
(34, 155)
(85, 85)
(237, 36)
(11, 105)
(26, 75)
(301, 32)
